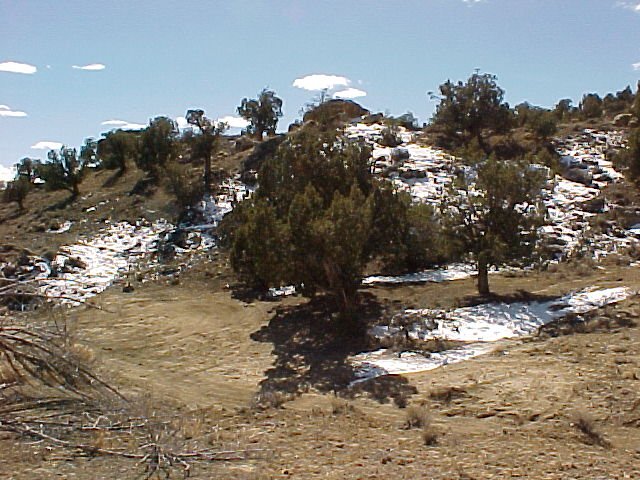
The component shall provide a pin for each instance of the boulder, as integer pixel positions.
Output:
(335, 110)
(578, 175)
(622, 119)
(399, 154)
(595, 205)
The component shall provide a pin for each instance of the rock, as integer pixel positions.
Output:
(595, 205)
(373, 118)
(622, 119)
(399, 154)
(578, 175)
(128, 288)
(634, 123)
(335, 110)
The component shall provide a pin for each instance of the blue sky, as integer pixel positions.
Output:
(138, 59)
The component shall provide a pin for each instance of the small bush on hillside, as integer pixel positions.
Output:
(186, 188)
(16, 191)
(417, 417)
(390, 136)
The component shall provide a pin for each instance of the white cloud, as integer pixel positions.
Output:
(124, 125)
(350, 93)
(471, 2)
(91, 67)
(634, 5)
(46, 145)
(636, 66)
(233, 122)
(5, 111)
(6, 174)
(15, 67)
(318, 82)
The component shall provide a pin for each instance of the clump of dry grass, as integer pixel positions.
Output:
(417, 417)
(584, 423)
(269, 398)
(446, 394)
(340, 406)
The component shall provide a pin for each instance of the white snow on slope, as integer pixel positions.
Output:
(482, 325)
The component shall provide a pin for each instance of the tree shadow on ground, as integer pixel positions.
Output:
(519, 295)
(312, 350)
(62, 204)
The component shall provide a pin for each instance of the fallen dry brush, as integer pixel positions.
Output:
(47, 393)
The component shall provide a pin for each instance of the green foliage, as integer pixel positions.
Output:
(204, 141)
(157, 145)
(262, 113)
(564, 110)
(17, 190)
(317, 218)
(471, 152)
(27, 168)
(64, 170)
(635, 109)
(495, 218)
(390, 136)
(117, 148)
(631, 156)
(591, 106)
(179, 181)
(469, 108)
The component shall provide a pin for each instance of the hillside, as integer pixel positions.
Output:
(538, 380)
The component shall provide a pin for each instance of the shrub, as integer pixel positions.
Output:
(187, 189)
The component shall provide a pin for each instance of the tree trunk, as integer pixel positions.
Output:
(207, 174)
(483, 276)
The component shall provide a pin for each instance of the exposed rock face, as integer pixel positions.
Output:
(336, 110)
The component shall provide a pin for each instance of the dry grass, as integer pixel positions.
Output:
(586, 425)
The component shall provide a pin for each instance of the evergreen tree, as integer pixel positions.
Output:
(17, 190)
(313, 220)
(205, 141)
(157, 143)
(116, 149)
(262, 113)
(494, 217)
(64, 170)
(470, 107)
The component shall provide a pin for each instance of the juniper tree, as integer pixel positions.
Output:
(64, 170)
(493, 216)
(261, 113)
(204, 141)
(17, 190)
(312, 222)
(467, 109)
(157, 144)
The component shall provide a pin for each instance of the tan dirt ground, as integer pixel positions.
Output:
(511, 414)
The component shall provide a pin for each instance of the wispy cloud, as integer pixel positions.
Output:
(472, 2)
(633, 5)
(16, 67)
(636, 66)
(6, 111)
(124, 125)
(319, 82)
(350, 93)
(93, 67)
(46, 145)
